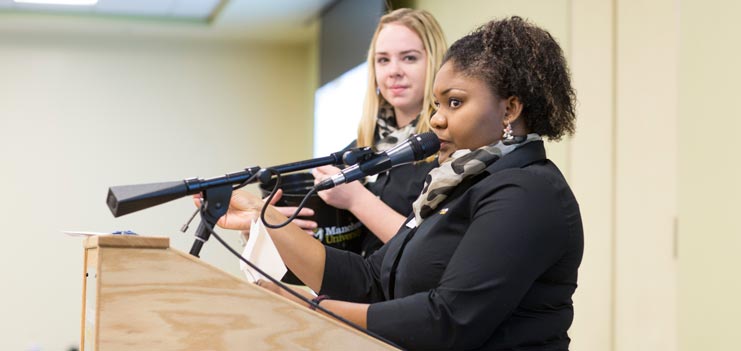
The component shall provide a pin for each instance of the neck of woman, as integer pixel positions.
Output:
(404, 117)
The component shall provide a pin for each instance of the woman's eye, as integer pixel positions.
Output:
(410, 58)
(382, 60)
(454, 103)
(436, 104)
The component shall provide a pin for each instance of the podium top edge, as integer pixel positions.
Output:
(127, 241)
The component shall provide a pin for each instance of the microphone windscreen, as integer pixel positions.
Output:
(125, 199)
(429, 145)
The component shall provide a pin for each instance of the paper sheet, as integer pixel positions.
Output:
(89, 233)
(261, 251)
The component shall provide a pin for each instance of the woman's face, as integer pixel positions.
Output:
(468, 114)
(400, 64)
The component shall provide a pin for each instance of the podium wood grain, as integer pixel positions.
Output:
(139, 294)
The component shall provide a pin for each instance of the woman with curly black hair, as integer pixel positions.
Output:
(489, 258)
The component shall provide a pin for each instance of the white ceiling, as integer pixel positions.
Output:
(269, 20)
(185, 9)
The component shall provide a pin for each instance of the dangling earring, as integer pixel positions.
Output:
(378, 90)
(507, 137)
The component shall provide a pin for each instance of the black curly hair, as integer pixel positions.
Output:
(516, 58)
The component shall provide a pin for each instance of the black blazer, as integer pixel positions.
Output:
(494, 268)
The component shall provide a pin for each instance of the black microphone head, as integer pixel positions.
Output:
(425, 145)
(415, 148)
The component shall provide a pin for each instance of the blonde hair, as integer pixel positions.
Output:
(426, 27)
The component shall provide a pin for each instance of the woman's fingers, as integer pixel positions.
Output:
(289, 210)
(276, 198)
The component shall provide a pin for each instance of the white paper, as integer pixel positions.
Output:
(261, 251)
(83, 233)
(89, 233)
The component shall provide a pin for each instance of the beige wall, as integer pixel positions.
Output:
(646, 177)
(592, 160)
(709, 173)
(81, 113)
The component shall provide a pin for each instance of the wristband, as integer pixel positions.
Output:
(315, 301)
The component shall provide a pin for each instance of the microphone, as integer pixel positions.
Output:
(125, 199)
(417, 147)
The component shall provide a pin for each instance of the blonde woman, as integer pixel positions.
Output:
(404, 55)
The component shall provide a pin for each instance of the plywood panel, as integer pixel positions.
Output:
(163, 299)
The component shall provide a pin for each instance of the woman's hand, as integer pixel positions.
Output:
(307, 225)
(342, 196)
(244, 208)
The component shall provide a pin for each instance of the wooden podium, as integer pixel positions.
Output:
(139, 294)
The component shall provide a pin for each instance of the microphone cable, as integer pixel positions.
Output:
(293, 292)
(270, 199)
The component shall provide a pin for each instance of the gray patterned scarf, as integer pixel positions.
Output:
(389, 133)
(462, 164)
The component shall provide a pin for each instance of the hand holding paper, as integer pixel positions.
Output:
(261, 251)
